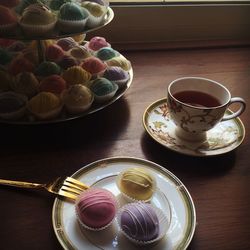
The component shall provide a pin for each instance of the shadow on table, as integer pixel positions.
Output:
(176, 162)
(103, 125)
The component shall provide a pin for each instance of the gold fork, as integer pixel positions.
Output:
(63, 186)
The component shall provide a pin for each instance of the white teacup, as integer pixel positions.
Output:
(197, 104)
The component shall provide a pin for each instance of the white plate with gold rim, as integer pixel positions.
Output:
(103, 173)
(223, 138)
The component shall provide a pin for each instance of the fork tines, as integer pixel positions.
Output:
(69, 181)
(71, 188)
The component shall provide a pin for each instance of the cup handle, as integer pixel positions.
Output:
(239, 111)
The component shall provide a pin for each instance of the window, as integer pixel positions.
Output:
(172, 23)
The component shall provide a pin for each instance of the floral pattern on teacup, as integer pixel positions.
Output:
(191, 120)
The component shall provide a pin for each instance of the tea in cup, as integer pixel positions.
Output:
(197, 104)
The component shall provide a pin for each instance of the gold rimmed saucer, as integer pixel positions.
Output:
(223, 138)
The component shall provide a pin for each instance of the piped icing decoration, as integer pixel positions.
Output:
(56, 4)
(77, 98)
(101, 2)
(97, 43)
(115, 73)
(45, 105)
(53, 53)
(8, 20)
(6, 16)
(139, 221)
(21, 64)
(93, 65)
(54, 84)
(66, 43)
(26, 83)
(72, 11)
(120, 62)
(37, 19)
(67, 61)
(95, 9)
(25, 3)
(76, 75)
(106, 53)
(103, 89)
(137, 183)
(47, 68)
(43, 102)
(79, 53)
(37, 14)
(96, 208)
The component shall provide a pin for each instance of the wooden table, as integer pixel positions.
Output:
(219, 185)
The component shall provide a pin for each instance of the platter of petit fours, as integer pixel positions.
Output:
(130, 203)
(52, 19)
(74, 79)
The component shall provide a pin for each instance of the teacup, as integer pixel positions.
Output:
(197, 104)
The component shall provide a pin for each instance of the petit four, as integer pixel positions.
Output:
(25, 83)
(21, 64)
(8, 19)
(46, 68)
(76, 75)
(67, 61)
(37, 19)
(72, 18)
(45, 105)
(139, 221)
(93, 65)
(120, 62)
(136, 184)
(77, 98)
(97, 43)
(53, 53)
(54, 84)
(116, 75)
(103, 89)
(96, 208)
(66, 43)
(106, 53)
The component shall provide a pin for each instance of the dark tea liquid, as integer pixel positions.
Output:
(197, 99)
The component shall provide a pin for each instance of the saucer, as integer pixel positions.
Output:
(223, 138)
(103, 173)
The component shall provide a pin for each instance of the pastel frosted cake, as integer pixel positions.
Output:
(96, 208)
(142, 223)
(136, 184)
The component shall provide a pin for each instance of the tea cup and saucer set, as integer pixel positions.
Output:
(195, 119)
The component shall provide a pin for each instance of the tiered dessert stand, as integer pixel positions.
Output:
(19, 35)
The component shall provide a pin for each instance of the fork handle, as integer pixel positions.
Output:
(21, 184)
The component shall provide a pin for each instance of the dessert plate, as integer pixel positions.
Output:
(103, 174)
(223, 138)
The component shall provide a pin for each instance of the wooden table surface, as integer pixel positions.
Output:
(218, 185)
